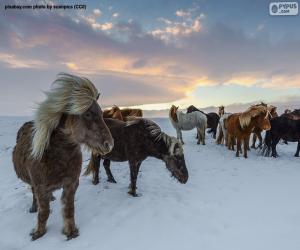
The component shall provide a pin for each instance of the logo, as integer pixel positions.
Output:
(274, 8)
(283, 8)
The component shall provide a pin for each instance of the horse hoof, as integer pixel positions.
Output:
(33, 210)
(296, 155)
(111, 180)
(133, 194)
(198, 143)
(35, 234)
(72, 234)
(95, 182)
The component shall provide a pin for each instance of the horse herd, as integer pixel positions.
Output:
(48, 154)
(236, 129)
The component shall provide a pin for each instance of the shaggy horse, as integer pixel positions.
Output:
(221, 111)
(282, 127)
(240, 125)
(47, 154)
(295, 115)
(212, 119)
(122, 114)
(134, 141)
(127, 112)
(181, 121)
(114, 113)
(257, 131)
(222, 135)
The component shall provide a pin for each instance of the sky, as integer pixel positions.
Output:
(151, 54)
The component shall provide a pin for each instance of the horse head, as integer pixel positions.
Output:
(173, 113)
(174, 159)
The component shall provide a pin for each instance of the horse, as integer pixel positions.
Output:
(134, 141)
(128, 112)
(47, 154)
(212, 119)
(181, 121)
(114, 113)
(221, 111)
(240, 125)
(222, 135)
(257, 131)
(285, 128)
(294, 115)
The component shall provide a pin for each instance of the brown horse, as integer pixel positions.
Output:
(127, 112)
(257, 131)
(114, 113)
(240, 125)
(122, 114)
(48, 156)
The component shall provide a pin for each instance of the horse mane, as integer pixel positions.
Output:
(69, 94)
(255, 110)
(155, 133)
(172, 114)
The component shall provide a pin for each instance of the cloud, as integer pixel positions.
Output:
(177, 29)
(13, 61)
(182, 13)
(133, 65)
(115, 15)
(97, 12)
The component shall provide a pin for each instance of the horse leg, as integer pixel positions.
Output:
(220, 136)
(260, 140)
(96, 159)
(33, 208)
(246, 145)
(199, 136)
(274, 144)
(179, 135)
(215, 133)
(298, 149)
(203, 135)
(134, 170)
(229, 142)
(110, 177)
(67, 198)
(253, 140)
(238, 147)
(43, 200)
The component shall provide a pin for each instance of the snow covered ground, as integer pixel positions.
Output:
(228, 203)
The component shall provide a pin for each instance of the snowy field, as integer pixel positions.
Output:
(228, 203)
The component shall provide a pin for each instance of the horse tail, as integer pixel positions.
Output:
(266, 149)
(91, 166)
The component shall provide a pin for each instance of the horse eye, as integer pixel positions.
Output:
(88, 115)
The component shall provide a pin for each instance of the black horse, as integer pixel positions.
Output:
(281, 128)
(212, 120)
(134, 141)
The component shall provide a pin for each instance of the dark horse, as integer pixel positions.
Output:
(282, 127)
(47, 154)
(212, 119)
(134, 141)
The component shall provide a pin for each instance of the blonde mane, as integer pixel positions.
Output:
(245, 117)
(69, 94)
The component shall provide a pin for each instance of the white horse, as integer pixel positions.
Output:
(181, 121)
(222, 133)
